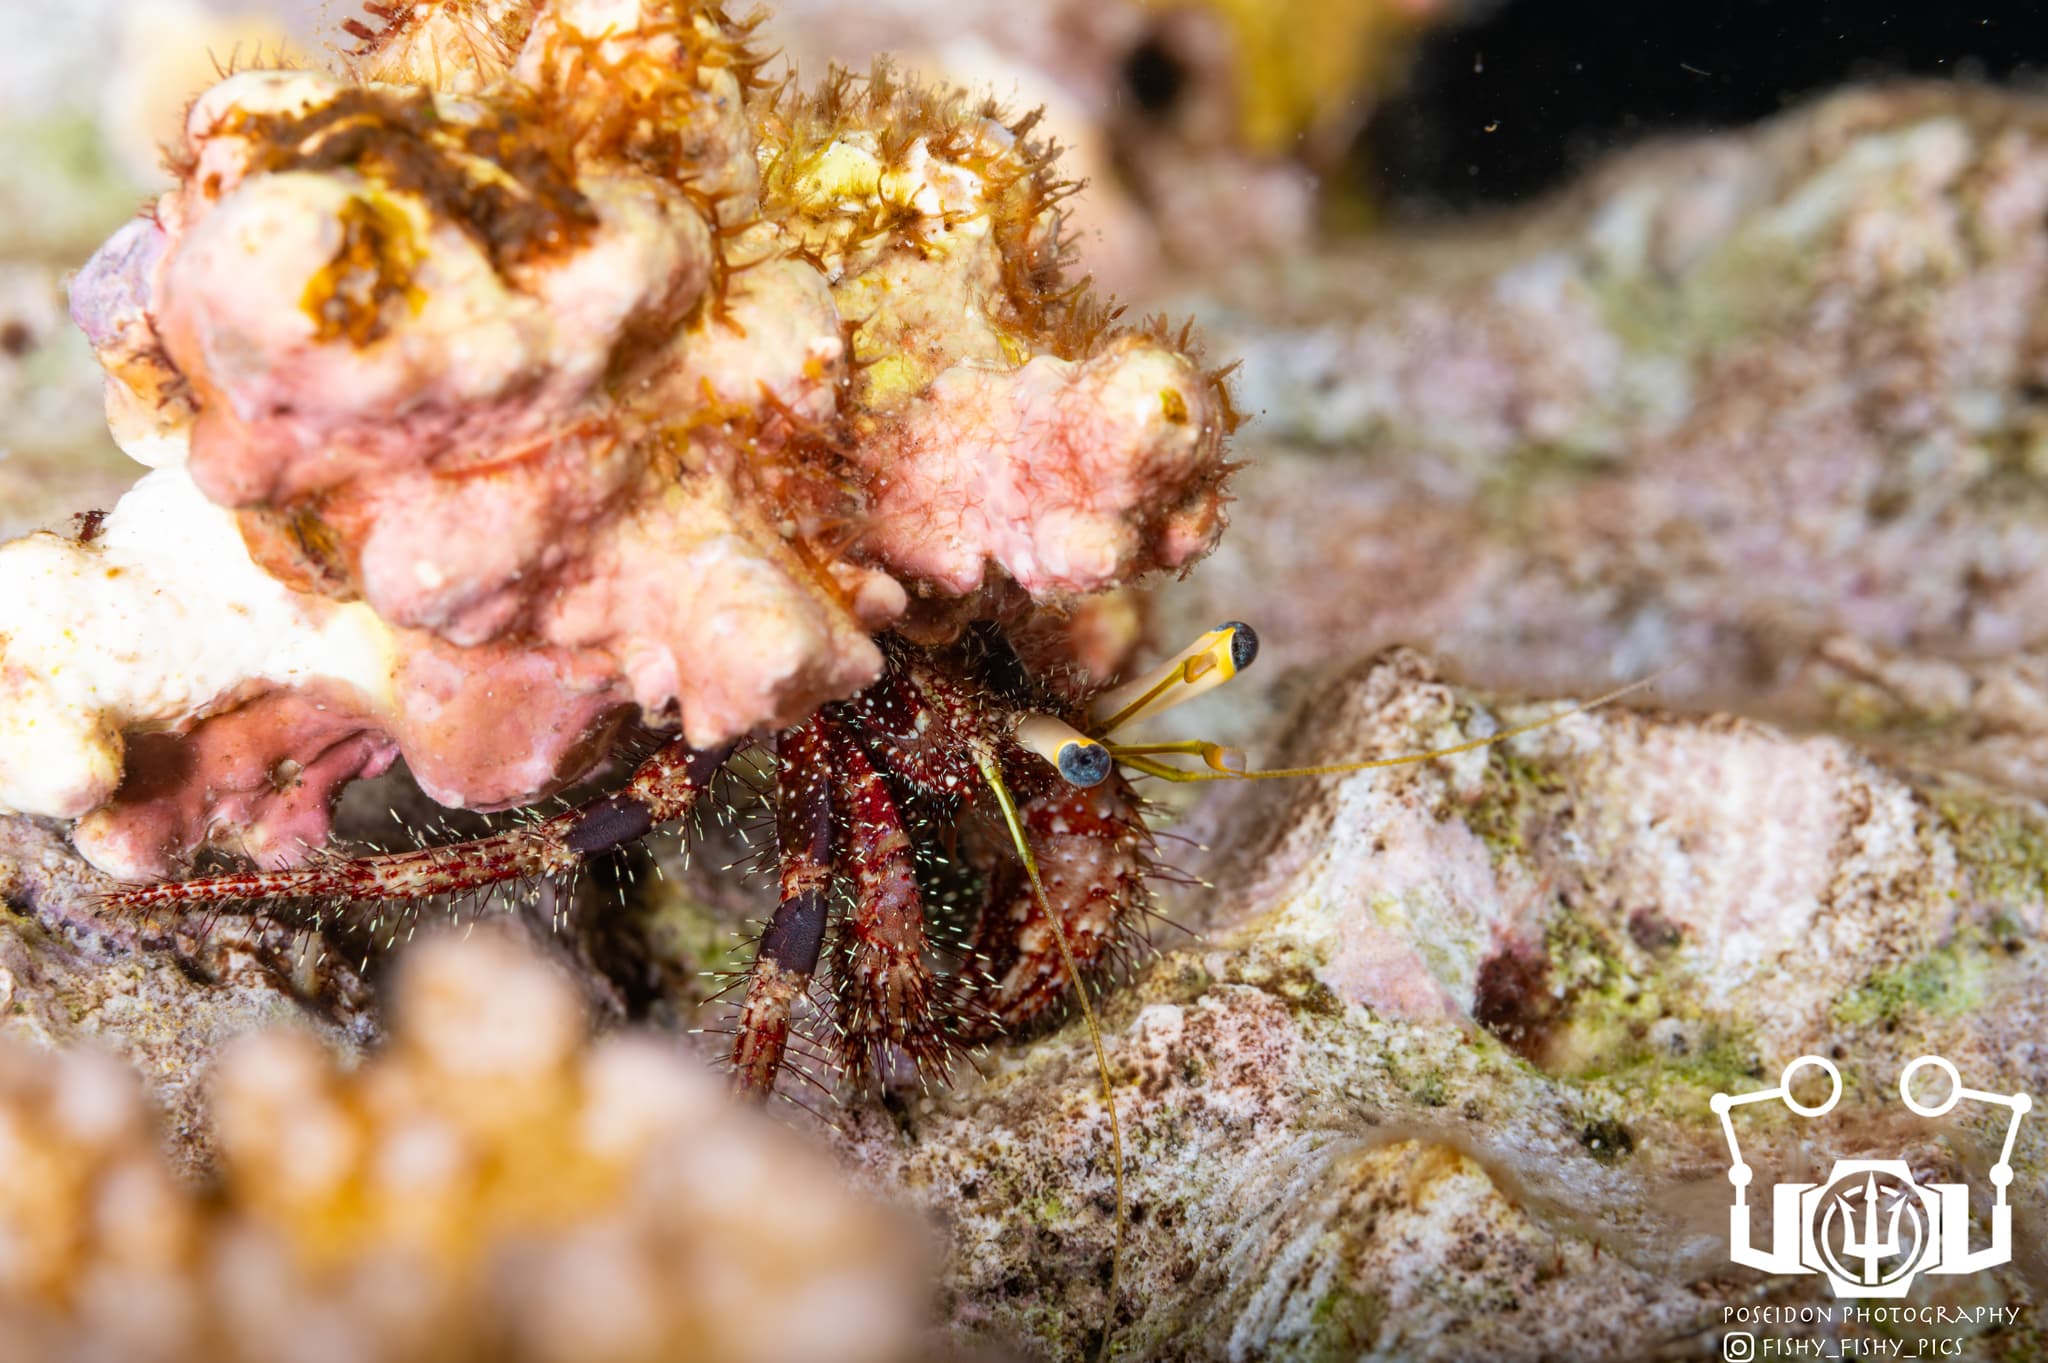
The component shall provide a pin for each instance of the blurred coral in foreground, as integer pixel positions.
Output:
(491, 1186)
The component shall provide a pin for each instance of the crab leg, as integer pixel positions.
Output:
(1093, 846)
(788, 953)
(662, 788)
(886, 992)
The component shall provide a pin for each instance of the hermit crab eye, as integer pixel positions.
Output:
(1085, 763)
(1244, 643)
(1079, 759)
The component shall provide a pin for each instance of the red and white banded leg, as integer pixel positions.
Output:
(787, 955)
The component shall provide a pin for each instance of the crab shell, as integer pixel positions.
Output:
(500, 391)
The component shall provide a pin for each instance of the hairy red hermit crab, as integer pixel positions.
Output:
(544, 373)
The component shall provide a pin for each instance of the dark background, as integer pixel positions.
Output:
(1564, 81)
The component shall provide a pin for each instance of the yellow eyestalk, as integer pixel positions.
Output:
(1196, 670)
(1077, 757)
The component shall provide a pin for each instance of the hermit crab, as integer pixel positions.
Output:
(956, 772)
(545, 375)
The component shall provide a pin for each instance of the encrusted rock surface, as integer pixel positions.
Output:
(165, 997)
(1766, 405)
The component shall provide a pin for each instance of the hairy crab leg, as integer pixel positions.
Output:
(662, 788)
(1091, 846)
(887, 995)
(918, 724)
(787, 955)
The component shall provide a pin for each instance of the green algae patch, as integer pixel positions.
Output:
(2003, 846)
(1943, 983)
(1346, 1323)
(1287, 972)
(1430, 1090)
(1517, 788)
(1624, 1023)
(1298, 986)
(1047, 1210)
(689, 941)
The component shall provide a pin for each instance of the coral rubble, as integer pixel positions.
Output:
(543, 370)
(490, 1186)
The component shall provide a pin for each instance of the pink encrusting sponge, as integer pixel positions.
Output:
(543, 369)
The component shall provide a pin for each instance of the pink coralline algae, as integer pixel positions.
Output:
(543, 369)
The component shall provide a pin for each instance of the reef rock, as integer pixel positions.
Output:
(165, 997)
(1764, 406)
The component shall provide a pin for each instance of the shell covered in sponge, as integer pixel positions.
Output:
(542, 369)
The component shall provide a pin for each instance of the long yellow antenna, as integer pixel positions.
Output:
(1219, 758)
(994, 777)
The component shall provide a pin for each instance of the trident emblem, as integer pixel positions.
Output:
(1868, 1247)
